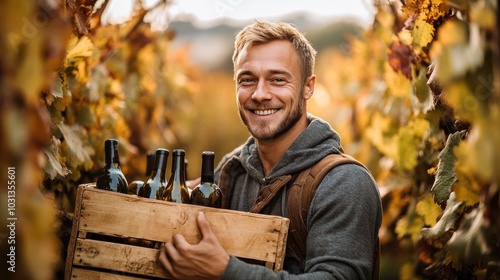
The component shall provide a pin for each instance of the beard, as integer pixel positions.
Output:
(265, 132)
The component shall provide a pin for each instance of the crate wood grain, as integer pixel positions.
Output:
(251, 237)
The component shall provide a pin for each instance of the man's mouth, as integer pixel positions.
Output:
(265, 112)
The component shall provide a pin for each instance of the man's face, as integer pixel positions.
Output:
(269, 89)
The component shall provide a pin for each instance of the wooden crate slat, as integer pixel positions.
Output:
(118, 257)
(81, 273)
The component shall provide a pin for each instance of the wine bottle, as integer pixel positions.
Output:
(133, 188)
(112, 177)
(207, 193)
(176, 190)
(156, 182)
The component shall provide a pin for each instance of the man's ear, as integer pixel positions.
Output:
(309, 87)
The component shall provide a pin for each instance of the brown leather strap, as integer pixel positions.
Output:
(268, 192)
(300, 197)
(226, 180)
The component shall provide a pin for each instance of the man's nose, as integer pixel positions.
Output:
(262, 92)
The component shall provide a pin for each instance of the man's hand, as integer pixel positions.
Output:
(205, 260)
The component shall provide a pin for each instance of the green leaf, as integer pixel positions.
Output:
(98, 83)
(57, 89)
(54, 166)
(75, 137)
(85, 116)
(445, 175)
(470, 242)
(422, 99)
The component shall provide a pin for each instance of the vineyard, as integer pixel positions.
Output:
(415, 97)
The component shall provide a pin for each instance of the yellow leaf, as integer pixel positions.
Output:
(467, 189)
(407, 271)
(408, 140)
(482, 15)
(432, 171)
(438, 9)
(447, 222)
(377, 133)
(80, 72)
(429, 210)
(29, 78)
(454, 59)
(398, 84)
(480, 154)
(79, 48)
(453, 32)
(409, 226)
(405, 37)
(463, 101)
(422, 32)
(385, 19)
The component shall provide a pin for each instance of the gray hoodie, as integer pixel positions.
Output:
(343, 219)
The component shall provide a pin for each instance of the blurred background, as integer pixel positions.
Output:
(413, 88)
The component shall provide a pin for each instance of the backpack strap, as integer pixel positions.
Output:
(268, 192)
(300, 197)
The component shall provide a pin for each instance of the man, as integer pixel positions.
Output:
(273, 70)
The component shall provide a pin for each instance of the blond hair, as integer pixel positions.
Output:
(262, 32)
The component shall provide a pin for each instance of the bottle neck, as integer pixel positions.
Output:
(207, 167)
(207, 171)
(159, 166)
(150, 161)
(111, 156)
(178, 168)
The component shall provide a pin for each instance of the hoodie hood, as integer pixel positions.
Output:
(314, 143)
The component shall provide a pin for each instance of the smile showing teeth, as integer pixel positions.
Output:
(264, 112)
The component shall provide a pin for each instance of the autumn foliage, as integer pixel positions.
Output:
(416, 98)
(423, 90)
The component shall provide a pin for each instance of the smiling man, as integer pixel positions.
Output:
(273, 71)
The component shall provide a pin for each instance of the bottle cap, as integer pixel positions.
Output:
(111, 144)
(178, 152)
(162, 151)
(207, 165)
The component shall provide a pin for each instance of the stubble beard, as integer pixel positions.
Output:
(262, 132)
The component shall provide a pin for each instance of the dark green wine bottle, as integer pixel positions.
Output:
(156, 182)
(177, 190)
(112, 177)
(207, 193)
(133, 188)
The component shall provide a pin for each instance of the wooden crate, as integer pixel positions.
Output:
(252, 237)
